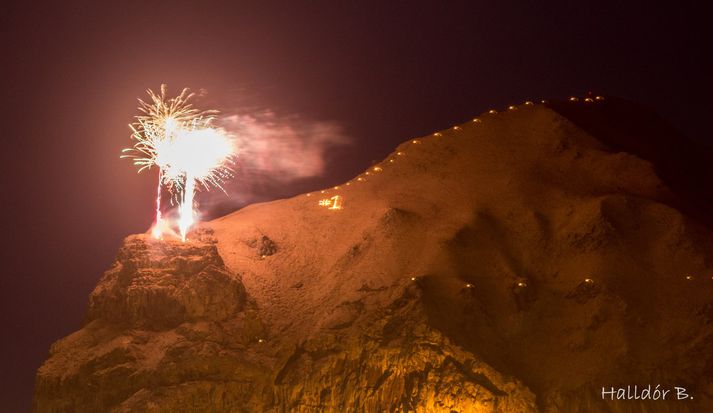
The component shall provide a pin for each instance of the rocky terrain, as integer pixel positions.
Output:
(518, 262)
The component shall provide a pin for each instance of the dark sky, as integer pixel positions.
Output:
(383, 72)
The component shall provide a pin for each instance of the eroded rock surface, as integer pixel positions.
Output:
(160, 284)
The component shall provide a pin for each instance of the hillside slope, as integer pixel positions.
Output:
(515, 263)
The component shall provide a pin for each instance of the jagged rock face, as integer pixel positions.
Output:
(161, 284)
(154, 322)
(516, 264)
(397, 363)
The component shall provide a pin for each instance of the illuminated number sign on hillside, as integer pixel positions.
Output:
(334, 202)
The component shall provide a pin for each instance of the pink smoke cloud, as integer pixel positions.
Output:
(273, 153)
(282, 148)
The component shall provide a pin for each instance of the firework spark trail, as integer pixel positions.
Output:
(156, 231)
(179, 139)
(185, 209)
(154, 130)
(203, 156)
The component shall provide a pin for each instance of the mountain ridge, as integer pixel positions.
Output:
(506, 264)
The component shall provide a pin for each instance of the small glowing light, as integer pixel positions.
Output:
(336, 187)
(512, 107)
(543, 101)
(348, 183)
(588, 100)
(438, 134)
(309, 194)
(360, 179)
(689, 277)
(391, 161)
(476, 120)
(262, 257)
(413, 278)
(588, 280)
(573, 98)
(367, 173)
(260, 340)
(456, 128)
(599, 98)
(492, 111)
(529, 103)
(377, 169)
(415, 141)
(399, 153)
(321, 192)
(469, 285)
(522, 284)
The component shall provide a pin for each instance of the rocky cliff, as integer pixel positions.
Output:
(516, 263)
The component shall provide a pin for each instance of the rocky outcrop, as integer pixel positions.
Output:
(158, 285)
(164, 314)
(170, 329)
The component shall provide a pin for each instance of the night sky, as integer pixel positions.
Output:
(379, 74)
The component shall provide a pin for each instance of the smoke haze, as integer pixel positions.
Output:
(275, 153)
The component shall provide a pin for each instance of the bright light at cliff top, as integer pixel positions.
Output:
(187, 150)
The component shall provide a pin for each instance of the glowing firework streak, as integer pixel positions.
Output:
(154, 131)
(203, 157)
(180, 141)
(156, 231)
(185, 208)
